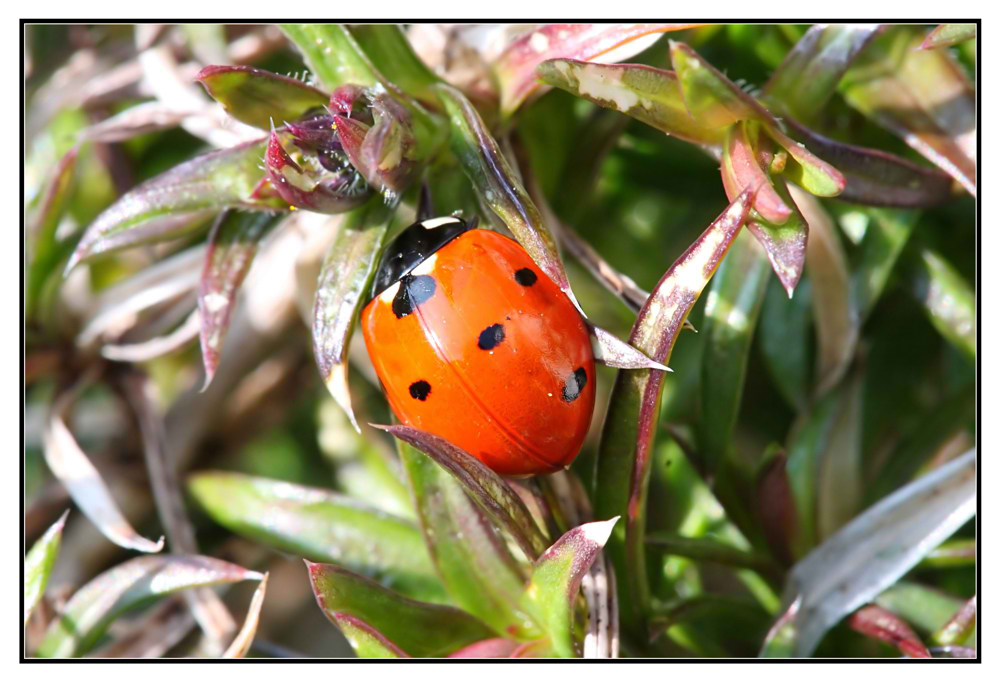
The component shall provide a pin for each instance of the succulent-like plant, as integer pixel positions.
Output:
(810, 493)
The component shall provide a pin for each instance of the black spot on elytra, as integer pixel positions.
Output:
(526, 277)
(574, 385)
(420, 389)
(491, 336)
(413, 291)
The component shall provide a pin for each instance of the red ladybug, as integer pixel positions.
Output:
(474, 343)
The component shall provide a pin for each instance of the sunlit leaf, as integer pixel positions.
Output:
(630, 426)
(741, 169)
(650, 95)
(344, 280)
(217, 180)
(471, 558)
(332, 54)
(807, 170)
(232, 245)
(947, 35)
(260, 98)
(493, 179)
(83, 482)
(38, 564)
(493, 648)
(731, 311)
(882, 624)
(131, 584)
(366, 642)
(320, 525)
(925, 608)
(419, 629)
(244, 639)
(785, 244)
(871, 553)
(808, 76)
(712, 99)
(515, 68)
(960, 627)
(555, 581)
(482, 484)
(922, 96)
(613, 352)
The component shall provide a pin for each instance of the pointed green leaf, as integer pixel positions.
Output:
(785, 244)
(493, 179)
(129, 585)
(555, 582)
(332, 54)
(712, 99)
(344, 280)
(947, 35)
(960, 627)
(731, 310)
(38, 564)
(320, 525)
(808, 76)
(260, 98)
(232, 245)
(630, 427)
(650, 95)
(482, 484)
(420, 629)
(785, 339)
(471, 558)
(877, 178)
(217, 180)
(807, 170)
(926, 608)
(922, 96)
(367, 642)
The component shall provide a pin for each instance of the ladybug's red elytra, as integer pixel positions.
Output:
(474, 343)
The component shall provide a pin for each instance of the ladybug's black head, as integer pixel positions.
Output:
(413, 246)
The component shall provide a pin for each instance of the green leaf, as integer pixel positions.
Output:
(342, 288)
(947, 299)
(785, 244)
(320, 525)
(922, 96)
(483, 486)
(712, 99)
(627, 442)
(808, 171)
(232, 245)
(260, 98)
(731, 311)
(332, 54)
(958, 553)
(129, 585)
(961, 628)
(38, 565)
(515, 69)
(366, 642)
(650, 95)
(390, 52)
(555, 582)
(420, 629)
(947, 35)
(925, 607)
(150, 212)
(493, 179)
(784, 341)
(809, 75)
(471, 558)
(870, 553)
(877, 178)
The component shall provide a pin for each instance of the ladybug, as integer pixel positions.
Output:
(474, 343)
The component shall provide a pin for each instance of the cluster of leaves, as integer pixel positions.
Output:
(827, 460)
